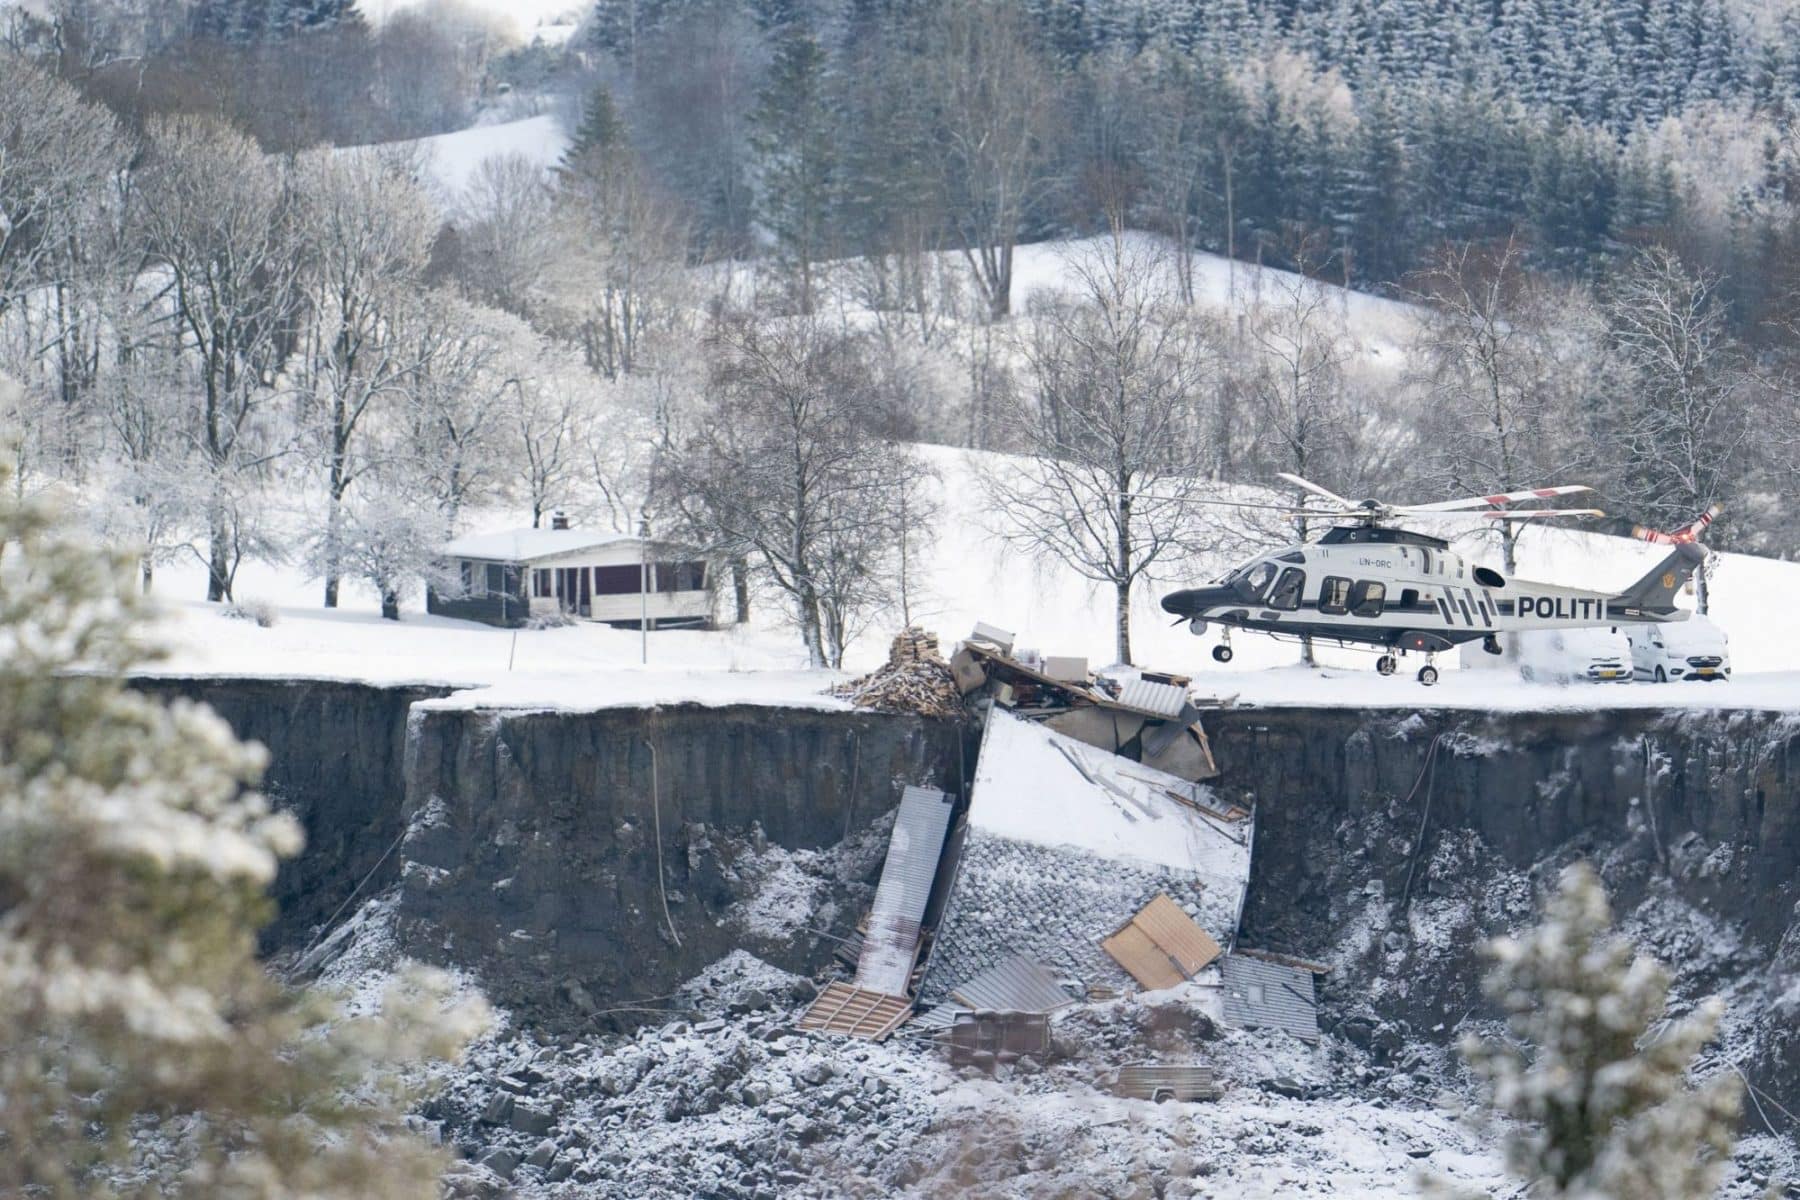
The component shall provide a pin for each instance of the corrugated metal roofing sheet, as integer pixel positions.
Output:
(934, 1019)
(1163, 699)
(1147, 962)
(1189, 945)
(1267, 995)
(1015, 984)
(892, 942)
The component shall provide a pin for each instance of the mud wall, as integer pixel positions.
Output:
(336, 752)
(1394, 862)
(543, 845)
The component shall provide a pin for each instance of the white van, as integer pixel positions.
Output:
(1690, 649)
(1594, 654)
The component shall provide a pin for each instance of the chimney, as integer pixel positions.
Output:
(559, 519)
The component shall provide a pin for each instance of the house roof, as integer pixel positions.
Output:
(527, 545)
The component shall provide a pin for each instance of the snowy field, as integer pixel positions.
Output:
(968, 575)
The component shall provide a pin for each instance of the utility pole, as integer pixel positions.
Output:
(644, 590)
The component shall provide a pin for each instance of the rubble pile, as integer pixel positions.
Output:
(915, 679)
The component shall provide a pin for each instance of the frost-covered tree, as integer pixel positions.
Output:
(367, 229)
(218, 223)
(781, 468)
(995, 99)
(1596, 1078)
(1114, 418)
(134, 854)
(1486, 351)
(1681, 427)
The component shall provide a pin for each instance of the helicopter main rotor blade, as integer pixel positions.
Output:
(1207, 500)
(1316, 490)
(1503, 498)
(1527, 514)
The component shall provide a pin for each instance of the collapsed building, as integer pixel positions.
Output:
(1088, 859)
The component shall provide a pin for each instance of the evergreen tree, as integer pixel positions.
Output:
(1597, 1085)
(795, 135)
(133, 860)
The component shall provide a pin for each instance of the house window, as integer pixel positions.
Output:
(680, 577)
(541, 584)
(496, 579)
(1257, 995)
(468, 577)
(1288, 589)
(1367, 597)
(1334, 596)
(618, 581)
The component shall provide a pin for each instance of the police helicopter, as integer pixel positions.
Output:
(1367, 581)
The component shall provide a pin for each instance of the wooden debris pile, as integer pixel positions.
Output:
(915, 679)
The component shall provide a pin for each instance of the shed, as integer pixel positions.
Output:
(509, 577)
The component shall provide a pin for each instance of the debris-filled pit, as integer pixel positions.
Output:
(658, 1051)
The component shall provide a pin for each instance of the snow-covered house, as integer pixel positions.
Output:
(1063, 843)
(510, 577)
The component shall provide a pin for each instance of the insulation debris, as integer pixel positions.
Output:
(915, 679)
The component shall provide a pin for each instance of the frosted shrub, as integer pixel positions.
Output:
(1597, 1080)
(264, 613)
(134, 857)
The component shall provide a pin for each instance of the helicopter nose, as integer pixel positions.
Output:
(1191, 602)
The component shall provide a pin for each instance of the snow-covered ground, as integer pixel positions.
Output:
(967, 575)
(451, 159)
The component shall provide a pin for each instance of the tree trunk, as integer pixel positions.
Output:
(740, 589)
(146, 572)
(218, 573)
(1122, 616)
(390, 604)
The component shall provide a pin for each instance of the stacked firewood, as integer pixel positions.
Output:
(916, 679)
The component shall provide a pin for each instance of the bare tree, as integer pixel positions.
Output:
(503, 225)
(1114, 427)
(781, 467)
(367, 228)
(1296, 387)
(1497, 413)
(218, 222)
(455, 401)
(553, 409)
(996, 97)
(1680, 431)
(60, 157)
(617, 277)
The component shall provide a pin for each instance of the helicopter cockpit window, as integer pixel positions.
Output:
(1252, 583)
(1288, 589)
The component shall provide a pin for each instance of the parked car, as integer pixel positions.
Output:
(1598, 654)
(1691, 649)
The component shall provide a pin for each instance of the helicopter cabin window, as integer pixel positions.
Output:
(1288, 589)
(1409, 598)
(1334, 596)
(1367, 597)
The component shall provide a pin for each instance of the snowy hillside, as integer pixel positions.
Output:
(452, 158)
(523, 19)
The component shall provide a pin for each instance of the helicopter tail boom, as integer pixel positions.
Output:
(1653, 597)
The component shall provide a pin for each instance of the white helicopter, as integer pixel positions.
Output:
(1366, 582)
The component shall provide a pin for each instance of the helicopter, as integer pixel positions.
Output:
(1367, 581)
